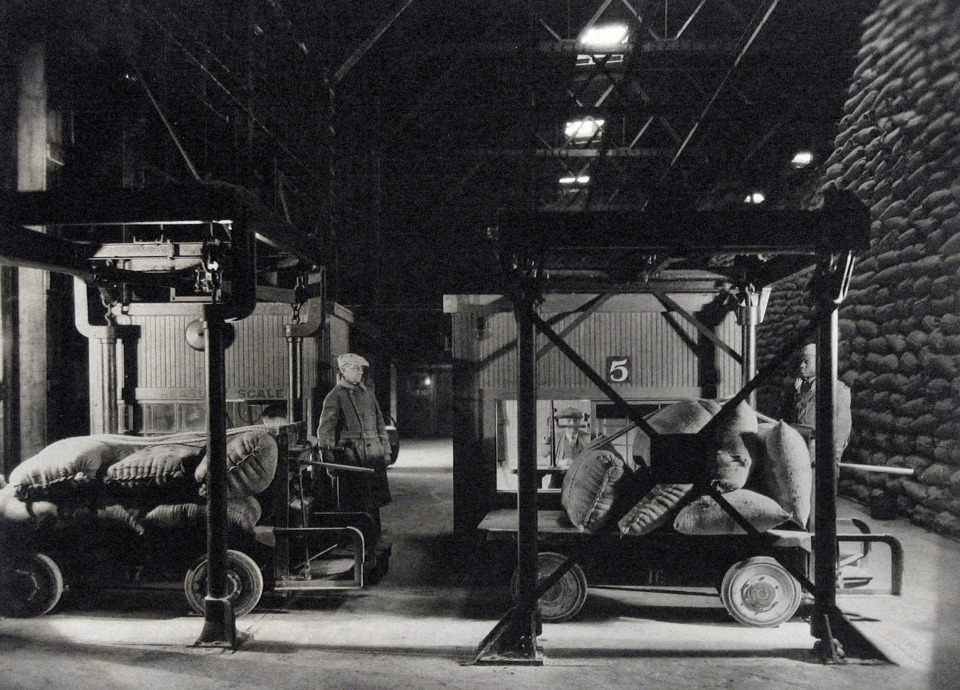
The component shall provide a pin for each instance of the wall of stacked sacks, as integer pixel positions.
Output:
(898, 150)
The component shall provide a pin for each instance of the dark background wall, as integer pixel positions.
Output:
(898, 150)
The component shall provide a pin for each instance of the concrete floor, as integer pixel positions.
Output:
(420, 626)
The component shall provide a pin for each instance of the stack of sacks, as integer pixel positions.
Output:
(68, 468)
(762, 470)
(654, 509)
(598, 479)
(736, 445)
(63, 480)
(251, 465)
(138, 483)
(771, 456)
(738, 450)
(774, 489)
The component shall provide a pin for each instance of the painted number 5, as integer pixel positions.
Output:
(618, 369)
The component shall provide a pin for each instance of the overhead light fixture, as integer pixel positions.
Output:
(575, 179)
(801, 159)
(583, 130)
(607, 37)
(754, 198)
(603, 39)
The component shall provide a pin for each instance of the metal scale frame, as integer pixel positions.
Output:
(741, 250)
(222, 269)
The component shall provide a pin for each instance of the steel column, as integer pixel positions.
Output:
(219, 629)
(10, 367)
(826, 471)
(836, 636)
(749, 317)
(514, 639)
(527, 478)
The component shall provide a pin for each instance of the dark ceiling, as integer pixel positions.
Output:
(392, 131)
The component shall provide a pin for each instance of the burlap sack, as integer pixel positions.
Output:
(705, 516)
(251, 464)
(590, 487)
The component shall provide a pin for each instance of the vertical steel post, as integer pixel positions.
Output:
(526, 475)
(514, 639)
(825, 475)
(10, 367)
(219, 627)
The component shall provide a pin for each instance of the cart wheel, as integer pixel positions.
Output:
(244, 583)
(564, 600)
(30, 585)
(759, 592)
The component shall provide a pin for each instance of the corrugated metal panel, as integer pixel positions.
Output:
(258, 357)
(164, 360)
(660, 357)
(730, 371)
(498, 352)
(311, 359)
(662, 348)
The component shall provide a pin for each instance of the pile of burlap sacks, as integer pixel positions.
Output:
(138, 483)
(760, 466)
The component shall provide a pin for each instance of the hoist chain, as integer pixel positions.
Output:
(109, 302)
(299, 296)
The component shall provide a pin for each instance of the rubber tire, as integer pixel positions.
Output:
(760, 593)
(564, 600)
(244, 583)
(30, 585)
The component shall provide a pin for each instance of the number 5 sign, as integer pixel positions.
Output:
(619, 369)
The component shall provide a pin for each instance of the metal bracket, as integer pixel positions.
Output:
(220, 626)
(512, 641)
(830, 284)
(838, 640)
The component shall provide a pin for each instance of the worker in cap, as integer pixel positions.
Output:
(569, 416)
(799, 407)
(573, 438)
(350, 358)
(352, 425)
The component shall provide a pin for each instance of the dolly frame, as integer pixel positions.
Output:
(296, 456)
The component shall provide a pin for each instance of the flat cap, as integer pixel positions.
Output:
(569, 413)
(350, 358)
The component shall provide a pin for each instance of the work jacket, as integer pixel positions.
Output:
(352, 422)
(352, 413)
(801, 409)
(565, 449)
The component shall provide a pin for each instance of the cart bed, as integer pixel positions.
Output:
(553, 525)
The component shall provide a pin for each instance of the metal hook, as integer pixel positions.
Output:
(109, 302)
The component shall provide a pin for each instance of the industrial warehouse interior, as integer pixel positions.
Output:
(479, 344)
